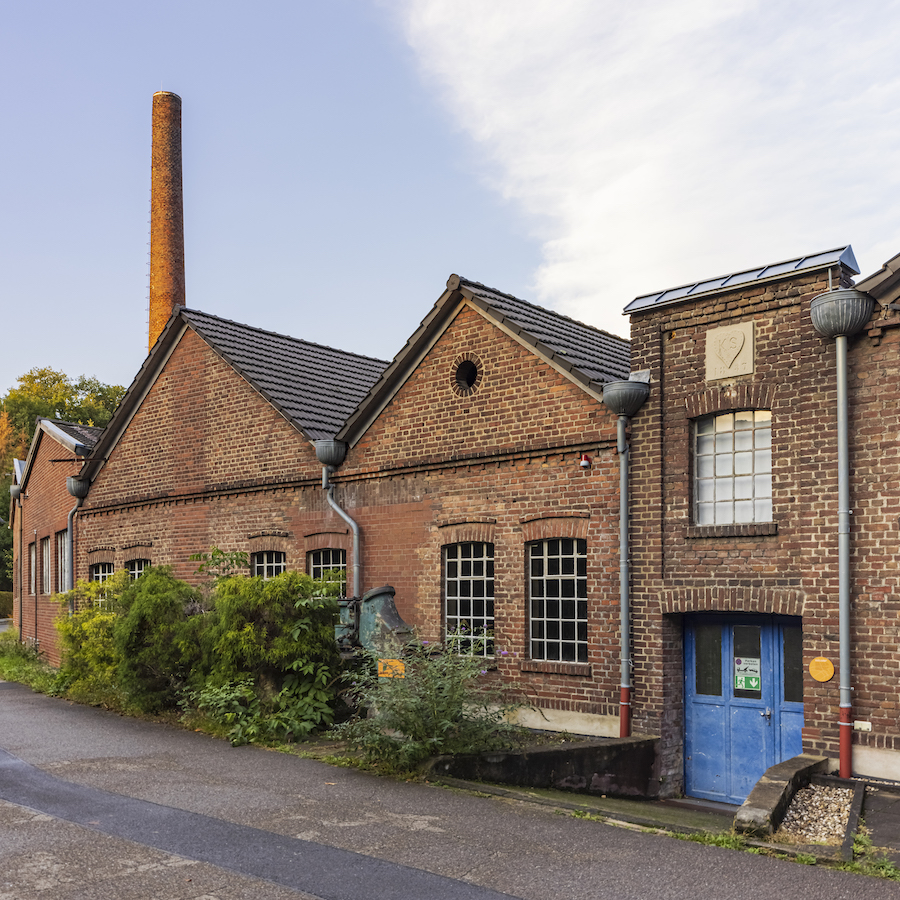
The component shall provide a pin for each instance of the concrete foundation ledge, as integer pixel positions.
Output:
(762, 812)
(616, 767)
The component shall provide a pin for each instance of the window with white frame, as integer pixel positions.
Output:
(268, 563)
(329, 562)
(46, 581)
(32, 568)
(62, 555)
(100, 571)
(557, 590)
(136, 567)
(469, 597)
(733, 468)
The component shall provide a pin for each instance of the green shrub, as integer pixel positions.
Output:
(19, 662)
(257, 658)
(156, 645)
(6, 604)
(89, 658)
(278, 635)
(441, 705)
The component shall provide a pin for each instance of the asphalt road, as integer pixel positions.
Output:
(95, 805)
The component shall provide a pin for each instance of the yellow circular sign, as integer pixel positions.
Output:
(821, 669)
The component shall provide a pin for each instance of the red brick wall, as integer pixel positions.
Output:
(44, 513)
(500, 465)
(207, 461)
(677, 569)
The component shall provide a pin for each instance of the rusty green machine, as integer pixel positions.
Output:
(372, 623)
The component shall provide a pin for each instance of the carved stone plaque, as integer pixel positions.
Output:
(730, 351)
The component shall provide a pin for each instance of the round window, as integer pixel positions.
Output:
(466, 377)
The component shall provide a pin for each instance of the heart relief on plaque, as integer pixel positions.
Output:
(729, 351)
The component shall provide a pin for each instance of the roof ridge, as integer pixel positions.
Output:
(544, 309)
(287, 337)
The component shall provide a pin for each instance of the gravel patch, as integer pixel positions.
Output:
(817, 815)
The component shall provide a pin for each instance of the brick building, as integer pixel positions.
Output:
(39, 518)
(479, 466)
(736, 526)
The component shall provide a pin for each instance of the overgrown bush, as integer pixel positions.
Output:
(443, 704)
(89, 672)
(6, 604)
(257, 658)
(156, 639)
(278, 634)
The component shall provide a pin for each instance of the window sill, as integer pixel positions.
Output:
(548, 667)
(750, 529)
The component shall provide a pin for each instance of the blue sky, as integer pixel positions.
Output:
(342, 159)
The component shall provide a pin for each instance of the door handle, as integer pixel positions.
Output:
(767, 713)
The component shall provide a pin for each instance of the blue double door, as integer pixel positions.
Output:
(743, 701)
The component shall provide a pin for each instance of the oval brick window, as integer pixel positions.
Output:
(466, 375)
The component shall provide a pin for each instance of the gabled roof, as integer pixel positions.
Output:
(883, 285)
(760, 274)
(77, 439)
(314, 387)
(586, 355)
(85, 435)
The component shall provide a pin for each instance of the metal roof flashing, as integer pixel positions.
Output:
(759, 275)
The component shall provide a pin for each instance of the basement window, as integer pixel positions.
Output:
(268, 563)
(136, 567)
(329, 563)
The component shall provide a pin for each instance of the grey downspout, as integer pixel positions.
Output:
(79, 490)
(329, 496)
(839, 314)
(624, 398)
(331, 454)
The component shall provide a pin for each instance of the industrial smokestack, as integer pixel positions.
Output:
(166, 213)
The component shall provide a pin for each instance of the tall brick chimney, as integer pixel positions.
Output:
(166, 213)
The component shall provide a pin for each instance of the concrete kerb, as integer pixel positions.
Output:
(762, 812)
(613, 811)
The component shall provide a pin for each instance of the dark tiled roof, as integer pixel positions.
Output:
(600, 356)
(84, 434)
(315, 387)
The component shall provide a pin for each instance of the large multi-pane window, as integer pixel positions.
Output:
(268, 563)
(733, 468)
(136, 567)
(46, 583)
(62, 568)
(558, 599)
(329, 562)
(469, 597)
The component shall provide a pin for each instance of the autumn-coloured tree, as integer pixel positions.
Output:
(52, 395)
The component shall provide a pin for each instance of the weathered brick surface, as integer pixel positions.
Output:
(44, 513)
(791, 569)
(207, 461)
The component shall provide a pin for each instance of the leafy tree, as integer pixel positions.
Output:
(51, 394)
(46, 392)
(13, 445)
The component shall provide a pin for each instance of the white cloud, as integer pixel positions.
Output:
(672, 140)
